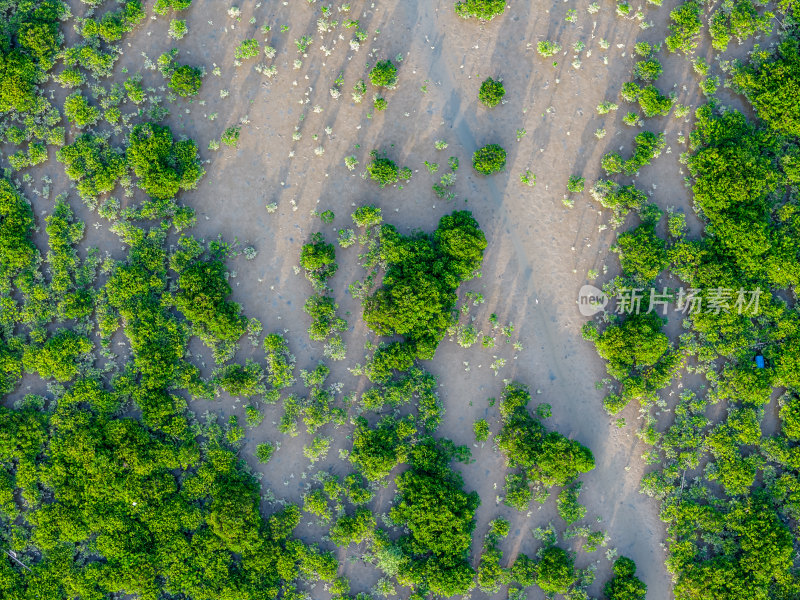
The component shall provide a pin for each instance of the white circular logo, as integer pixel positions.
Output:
(591, 300)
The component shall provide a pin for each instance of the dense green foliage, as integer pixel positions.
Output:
(201, 297)
(17, 251)
(186, 81)
(772, 84)
(728, 494)
(685, 28)
(485, 10)
(318, 259)
(93, 164)
(491, 92)
(384, 74)
(383, 170)
(625, 585)
(489, 159)
(539, 457)
(642, 253)
(740, 19)
(162, 165)
(418, 290)
(440, 518)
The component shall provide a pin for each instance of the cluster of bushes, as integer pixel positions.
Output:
(739, 19)
(184, 80)
(719, 480)
(162, 165)
(114, 24)
(439, 517)
(201, 296)
(385, 171)
(414, 385)
(639, 355)
(647, 146)
(489, 159)
(685, 28)
(318, 259)
(316, 410)
(539, 457)
(770, 83)
(86, 484)
(624, 585)
(29, 44)
(491, 92)
(485, 10)
(99, 502)
(93, 164)
(418, 291)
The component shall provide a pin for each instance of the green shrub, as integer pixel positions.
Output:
(202, 298)
(380, 104)
(576, 184)
(740, 19)
(240, 380)
(546, 49)
(439, 517)
(771, 86)
(653, 103)
(264, 452)
(546, 457)
(367, 216)
(569, 508)
(382, 170)
(93, 164)
(230, 137)
(685, 27)
(19, 75)
(418, 295)
(635, 345)
(177, 29)
(624, 585)
(253, 416)
(353, 530)
(556, 571)
(134, 89)
(790, 417)
(644, 49)
(78, 111)
(491, 92)
(162, 7)
(163, 166)
(629, 92)
(384, 74)
(523, 571)
(70, 78)
(322, 310)
(247, 49)
(517, 492)
(11, 366)
(489, 159)
(318, 258)
(280, 362)
(648, 70)
(481, 430)
(485, 10)
(115, 24)
(57, 358)
(642, 254)
(612, 163)
(186, 81)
